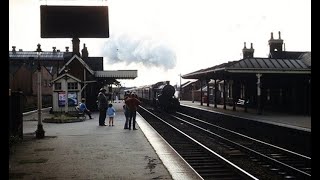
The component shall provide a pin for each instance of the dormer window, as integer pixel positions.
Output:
(72, 85)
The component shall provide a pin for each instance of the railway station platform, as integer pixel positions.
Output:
(84, 150)
(299, 122)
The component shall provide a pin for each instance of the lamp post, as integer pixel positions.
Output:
(39, 131)
(66, 105)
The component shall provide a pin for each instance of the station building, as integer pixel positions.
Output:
(279, 82)
(86, 75)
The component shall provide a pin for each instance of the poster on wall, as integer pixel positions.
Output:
(61, 98)
(72, 99)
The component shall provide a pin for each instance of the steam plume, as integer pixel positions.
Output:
(149, 52)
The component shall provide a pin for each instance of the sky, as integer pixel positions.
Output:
(165, 38)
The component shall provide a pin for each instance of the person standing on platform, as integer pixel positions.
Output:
(126, 113)
(102, 106)
(132, 103)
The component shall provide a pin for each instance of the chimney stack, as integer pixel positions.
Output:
(39, 48)
(75, 46)
(84, 51)
(279, 35)
(54, 49)
(13, 49)
(67, 48)
(247, 53)
(275, 44)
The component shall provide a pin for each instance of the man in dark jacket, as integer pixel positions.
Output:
(102, 106)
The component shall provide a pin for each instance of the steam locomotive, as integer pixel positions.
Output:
(161, 95)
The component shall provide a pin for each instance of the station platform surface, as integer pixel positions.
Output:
(84, 150)
(299, 122)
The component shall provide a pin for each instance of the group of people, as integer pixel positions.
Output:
(130, 108)
(105, 109)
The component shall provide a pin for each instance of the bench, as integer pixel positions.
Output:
(79, 113)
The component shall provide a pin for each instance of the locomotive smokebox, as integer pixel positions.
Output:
(168, 90)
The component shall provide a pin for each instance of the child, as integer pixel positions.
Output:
(83, 108)
(111, 112)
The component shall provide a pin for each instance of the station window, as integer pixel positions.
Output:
(242, 91)
(57, 86)
(72, 85)
(230, 90)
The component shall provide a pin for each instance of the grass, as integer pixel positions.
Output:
(63, 118)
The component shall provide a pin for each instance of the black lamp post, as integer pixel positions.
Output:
(66, 105)
(39, 131)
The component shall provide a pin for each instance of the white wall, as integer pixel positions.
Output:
(55, 106)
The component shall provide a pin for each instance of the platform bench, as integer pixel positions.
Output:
(80, 114)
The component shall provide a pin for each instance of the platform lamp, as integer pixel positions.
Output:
(66, 105)
(39, 131)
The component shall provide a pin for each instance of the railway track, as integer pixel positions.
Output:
(256, 158)
(287, 138)
(207, 163)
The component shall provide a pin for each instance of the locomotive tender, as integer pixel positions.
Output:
(160, 95)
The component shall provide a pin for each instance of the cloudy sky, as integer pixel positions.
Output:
(164, 38)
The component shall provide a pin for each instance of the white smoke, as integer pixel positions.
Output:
(129, 49)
